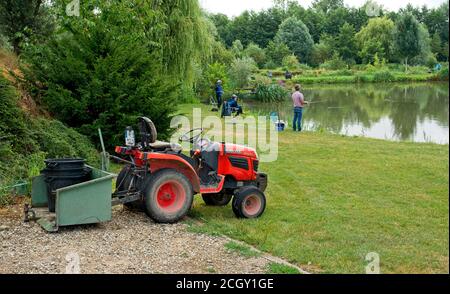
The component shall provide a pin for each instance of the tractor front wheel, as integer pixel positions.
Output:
(249, 202)
(168, 196)
(220, 199)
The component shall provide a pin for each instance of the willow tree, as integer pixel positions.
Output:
(185, 38)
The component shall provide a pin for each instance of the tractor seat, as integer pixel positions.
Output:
(165, 146)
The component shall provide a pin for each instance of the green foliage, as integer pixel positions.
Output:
(221, 54)
(276, 52)
(26, 141)
(271, 93)
(294, 33)
(210, 76)
(345, 43)
(335, 63)
(321, 53)
(25, 21)
(256, 53)
(383, 76)
(407, 37)
(442, 75)
(240, 72)
(339, 22)
(376, 38)
(101, 73)
(291, 63)
(237, 49)
(178, 28)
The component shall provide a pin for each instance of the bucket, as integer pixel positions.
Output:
(280, 126)
(61, 173)
(64, 164)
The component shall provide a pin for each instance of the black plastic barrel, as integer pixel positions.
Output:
(61, 173)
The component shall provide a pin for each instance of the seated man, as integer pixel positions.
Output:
(233, 104)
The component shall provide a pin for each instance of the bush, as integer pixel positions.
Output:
(270, 65)
(343, 72)
(209, 77)
(291, 63)
(101, 73)
(271, 93)
(383, 76)
(334, 64)
(240, 72)
(442, 75)
(26, 141)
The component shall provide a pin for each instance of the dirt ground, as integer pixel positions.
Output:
(130, 243)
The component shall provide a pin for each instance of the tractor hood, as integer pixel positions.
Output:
(239, 150)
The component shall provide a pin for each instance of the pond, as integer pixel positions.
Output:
(401, 112)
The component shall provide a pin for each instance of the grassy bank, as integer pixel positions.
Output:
(362, 75)
(27, 138)
(334, 199)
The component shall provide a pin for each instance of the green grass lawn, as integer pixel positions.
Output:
(333, 199)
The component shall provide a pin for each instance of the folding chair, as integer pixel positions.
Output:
(214, 104)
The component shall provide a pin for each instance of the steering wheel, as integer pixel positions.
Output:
(190, 137)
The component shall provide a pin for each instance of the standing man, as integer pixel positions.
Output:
(299, 103)
(219, 93)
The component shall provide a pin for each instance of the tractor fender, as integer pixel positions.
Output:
(159, 161)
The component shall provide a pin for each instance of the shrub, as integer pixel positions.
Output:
(291, 63)
(241, 70)
(335, 63)
(101, 73)
(383, 76)
(26, 141)
(271, 93)
(270, 65)
(442, 75)
(209, 77)
(344, 72)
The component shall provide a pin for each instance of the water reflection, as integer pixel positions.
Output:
(406, 112)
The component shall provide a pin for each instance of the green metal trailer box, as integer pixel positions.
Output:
(85, 203)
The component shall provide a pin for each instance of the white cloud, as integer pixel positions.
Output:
(236, 7)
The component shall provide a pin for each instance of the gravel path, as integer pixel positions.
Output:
(130, 243)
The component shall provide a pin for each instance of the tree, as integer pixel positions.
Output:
(326, 6)
(345, 43)
(276, 52)
(242, 28)
(237, 49)
(185, 33)
(106, 69)
(407, 37)
(445, 51)
(294, 33)
(322, 52)
(376, 38)
(222, 23)
(436, 46)
(24, 21)
(256, 53)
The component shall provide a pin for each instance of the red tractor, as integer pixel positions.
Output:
(163, 181)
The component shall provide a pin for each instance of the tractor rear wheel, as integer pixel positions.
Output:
(219, 199)
(168, 196)
(249, 202)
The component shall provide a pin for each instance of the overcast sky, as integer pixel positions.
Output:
(236, 7)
